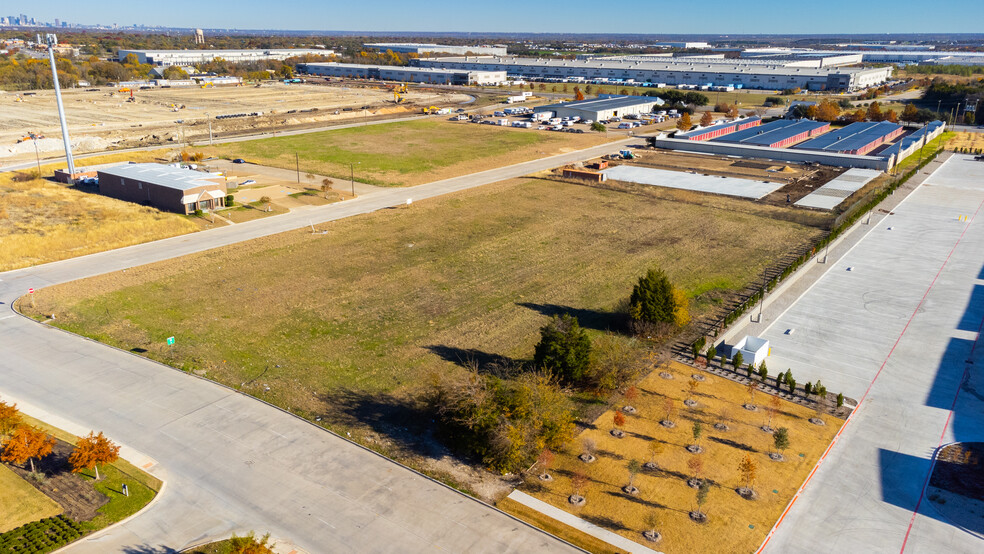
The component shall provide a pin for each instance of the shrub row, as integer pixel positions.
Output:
(835, 232)
(39, 537)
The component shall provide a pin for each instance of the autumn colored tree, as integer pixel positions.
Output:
(655, 448)
(92, 450)
(812, 112)
(772, 409)
(692, 386)
(733, 112)
(578, 95)
(684, 123)
(891, 116)
(909, 113)
(706, 119)
(578, 481)
(747, 469)
(751, 387)
(828, 110)
(618, 419)
(696, 465)
(681, 308)
(9, 418)
(25, 444)
(545, 459)
(669, 409)
(858, 115)
(250, 544)
(874, 112)
(780, 439)
(631, 393)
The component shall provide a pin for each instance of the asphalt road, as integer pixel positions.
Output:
(231, 462)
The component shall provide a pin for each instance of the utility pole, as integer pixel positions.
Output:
(37, 155)
(352, 178)
(208, 117)
(52, 41)
(297, 166)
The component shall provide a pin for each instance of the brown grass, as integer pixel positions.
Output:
(42, 221)
(735, 524)
(574, 536)
(22, 503)
(966, 140)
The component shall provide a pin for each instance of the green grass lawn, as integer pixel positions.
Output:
(21, 503)
(406, 153)
(359, 318)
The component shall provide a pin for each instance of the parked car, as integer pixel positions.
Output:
(239, 161)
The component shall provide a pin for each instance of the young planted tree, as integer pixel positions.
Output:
(25, 444)
(588, 448)
(578, 482)
(618, 419)
(696, 465)
(652, 524)
(747, 471)
(669, 409)
(763, 371)
(544, 460)
(780, 439)
(772, 410)
(249, 544)
(780, 379)
(737, 361)
(698, 431)
(711, 354)
(91, 451)
(655, 448)
(733, 112)
(751, 387)
(631, 394)
(702, 491)
(692, 386)
(564, 348)
(706, 119)
(840, 399)
(10, 418)
(807, 390)
(684, 123)
(634, 468)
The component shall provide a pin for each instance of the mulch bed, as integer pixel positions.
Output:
(959, 469)
(76, 496)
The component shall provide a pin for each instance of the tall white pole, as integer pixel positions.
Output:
(52, 41)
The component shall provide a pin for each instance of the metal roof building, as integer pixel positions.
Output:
(163, 186)
(669, 70)
(424, 48)
(192, 57)
(857, 138)
(604, 107)
(721, 129)
(778, 134)
(400, 73)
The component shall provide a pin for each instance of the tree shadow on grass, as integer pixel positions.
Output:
(637, 500)
(484, 362)
(640, 436)
(733, 444)
(610, 454)
(589, 319)
(605, 522)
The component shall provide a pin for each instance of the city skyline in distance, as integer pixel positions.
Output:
(711, 17)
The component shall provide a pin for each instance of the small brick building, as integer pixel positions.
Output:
(163, 187)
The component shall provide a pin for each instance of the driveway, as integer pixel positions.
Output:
(230, 461)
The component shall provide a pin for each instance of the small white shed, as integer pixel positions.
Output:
(753, 349)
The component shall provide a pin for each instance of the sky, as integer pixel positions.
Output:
(530, 16)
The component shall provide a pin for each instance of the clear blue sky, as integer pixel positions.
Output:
(572, 16)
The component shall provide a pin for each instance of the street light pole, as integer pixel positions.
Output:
(37, 155)
(52, 41)
(208, 117)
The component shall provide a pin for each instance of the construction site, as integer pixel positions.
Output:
(124, 117)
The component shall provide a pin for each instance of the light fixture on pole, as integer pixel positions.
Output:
(52, 41)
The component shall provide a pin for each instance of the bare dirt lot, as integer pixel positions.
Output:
(798, 179)
(102, 117)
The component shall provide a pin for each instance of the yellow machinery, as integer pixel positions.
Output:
(430, 109)
(398, 92)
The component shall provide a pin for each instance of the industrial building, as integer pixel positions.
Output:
(778, 134)
(405, 74)
(721, 129)
(857, 138)
(193, 57)
(424, 48)
(163, 187)
(673, 71)
(603, 108)
(870, 56)
(913, 141)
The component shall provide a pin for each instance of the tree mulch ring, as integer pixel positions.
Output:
(665, 375)
(694, 483)
(747, 493)
(546, 477)
(629, 409)
(694, 448)
(617, 433)
(767, 429)
(690, 403)
(587, 458)
(750, 407)
(698, 377)
(699, 517)
(667, 423)
(576, 499)
(650, 466)
(817, 421)
(75, 495)
(652, 536)
(721, 427)
(776, 457)
(630, 489)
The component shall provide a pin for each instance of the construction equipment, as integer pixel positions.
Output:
(431, 110)
(398, 92)
(30, 136)
(626, 154)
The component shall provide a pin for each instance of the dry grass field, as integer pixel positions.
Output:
(42, 221)
(734, 523)
(407, 153)
(966, 140)
(22, 503)
(349, 325)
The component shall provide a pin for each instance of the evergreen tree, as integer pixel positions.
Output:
(564, 348)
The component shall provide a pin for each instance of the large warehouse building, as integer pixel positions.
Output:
(603, 108)
(424, 48)
(405, 74)
(674, 72)
(721, 129)
(192, 57)
(857, 138)
(778, 134)
(162, 186)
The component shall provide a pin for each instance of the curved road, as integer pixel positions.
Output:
(231, 462)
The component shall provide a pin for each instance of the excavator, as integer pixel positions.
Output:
(130, 90)
(30, 136)
(398, 92)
